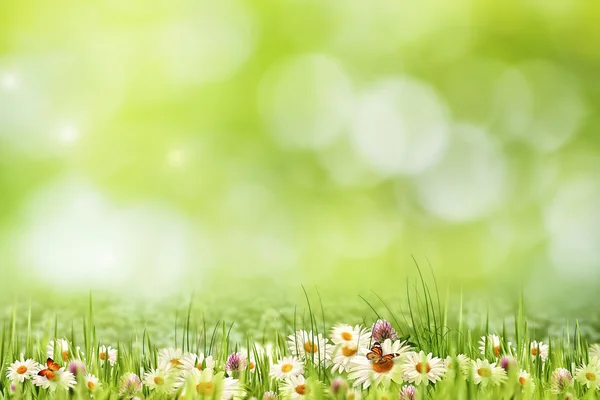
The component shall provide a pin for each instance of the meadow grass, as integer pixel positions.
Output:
(427, 326)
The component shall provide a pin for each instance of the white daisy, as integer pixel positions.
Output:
(419, 367)
(344, 354)
(307, 345)
(493, 345)
(208, 384)
(294, 388)
(22, 369)
(589, 375)
(62, 350)
(594, 351)
(173, 358)
(159, 380)
(356, 337)
(92, 382)
(107, 353)
(525, 380)
(197, 361)
(460, 363)
(485, 373)
(286, 367)
(60, 379)
(540, 349)
(365, 372)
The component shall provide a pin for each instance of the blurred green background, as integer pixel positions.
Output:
(163, 148)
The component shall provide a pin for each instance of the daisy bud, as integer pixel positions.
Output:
(13, 387)
(338, 386)
(236, 362)
(561, 379)
(408, 392)
(270, 396)
(508, 362)
(382, 330)
(130, 384)
(77, 367)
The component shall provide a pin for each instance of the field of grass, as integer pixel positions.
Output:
(428, 350)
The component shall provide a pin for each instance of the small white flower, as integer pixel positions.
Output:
(485, 373)
(107, 353)
(197, 361)
(354, 337)
(173, 358)
(62, 349)
(294, 388)
(492, 343)
(462, 362)
(22, 369)
(589, 375)
(159, 380)
(286, 367)
(525, 380)
(92, 382)
(421, 368)
(309, 346)
(539, 349)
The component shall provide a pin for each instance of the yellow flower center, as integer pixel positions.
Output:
(91, 385)
(423, 367)
(384, 398)
(590, 376)
(534, 351)
(496, 351)
(102, 356)
(65, 355)
(21, 370)
(383, 366)
(350, 396)
(204, 388)
(522, 380)
(159, 380)
(175, 362)
(301, 389)
(251, 365)
(484, 372)
(285, 368)
(200, 366)
(348, 351)
(346, 336)
(310, 347)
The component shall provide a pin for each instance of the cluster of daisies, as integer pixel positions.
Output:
(354, 358)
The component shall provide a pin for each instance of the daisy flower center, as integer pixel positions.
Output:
(484, 372)
(383, 366)
(65, 355)
(423, 367)
(496, 351)
(91, 385)
(204, 388)
(102, 356)
(251, 365)
(21, 370)
(175, 362)
(159, 380)
(301, 389)
(200, 366)
(50, 375)
(348, 351)
(522, 380)
(285, 368)
(347, 336)
(534, 351)
(590, 376)
(310, 347)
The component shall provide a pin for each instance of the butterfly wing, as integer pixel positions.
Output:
(387, 358)
(376, 352)
(51, 365)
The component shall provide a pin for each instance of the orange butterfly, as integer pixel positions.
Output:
(376, 354)
(51, 368)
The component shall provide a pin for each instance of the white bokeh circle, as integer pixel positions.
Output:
(401, 126)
